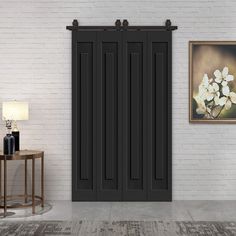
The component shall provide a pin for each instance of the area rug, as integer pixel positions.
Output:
(118, 228)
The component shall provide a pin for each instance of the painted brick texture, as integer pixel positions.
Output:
(35, 66)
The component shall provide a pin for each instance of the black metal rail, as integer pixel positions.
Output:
(122, 27)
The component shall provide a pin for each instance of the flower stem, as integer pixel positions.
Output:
(220, 111)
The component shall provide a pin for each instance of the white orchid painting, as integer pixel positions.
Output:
(213, 81)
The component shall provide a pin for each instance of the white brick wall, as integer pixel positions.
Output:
(35, 66)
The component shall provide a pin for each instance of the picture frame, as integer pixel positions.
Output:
(212, 82)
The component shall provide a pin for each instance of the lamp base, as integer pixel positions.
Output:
(16, 135)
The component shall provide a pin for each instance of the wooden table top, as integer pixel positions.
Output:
(22, 155)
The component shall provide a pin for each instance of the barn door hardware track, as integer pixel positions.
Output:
(124, 26)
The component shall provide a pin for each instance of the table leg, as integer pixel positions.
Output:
(33, 180)
(26, 182)
(5, 187)
(42, 180)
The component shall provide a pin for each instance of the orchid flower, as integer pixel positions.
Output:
(214, 95)
(223, 77)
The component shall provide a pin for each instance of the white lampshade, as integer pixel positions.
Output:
(15, 110)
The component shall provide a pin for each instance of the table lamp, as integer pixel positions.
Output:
(14, 111)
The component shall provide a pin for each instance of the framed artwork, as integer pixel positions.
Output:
(212, 81)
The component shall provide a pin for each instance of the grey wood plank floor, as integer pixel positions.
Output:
(140, 211)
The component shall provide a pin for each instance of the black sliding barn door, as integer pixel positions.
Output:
(134, 115)
(121, 115)
(159, 116)
(109, 116)
(84, 83)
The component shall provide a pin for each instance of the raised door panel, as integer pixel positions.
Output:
(83, 161)
(134, 119)
(159, 116)
(109, 156)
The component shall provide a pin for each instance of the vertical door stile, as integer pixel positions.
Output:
(124, 115)
(75, 138)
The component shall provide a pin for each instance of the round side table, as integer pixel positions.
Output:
(25, 155)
